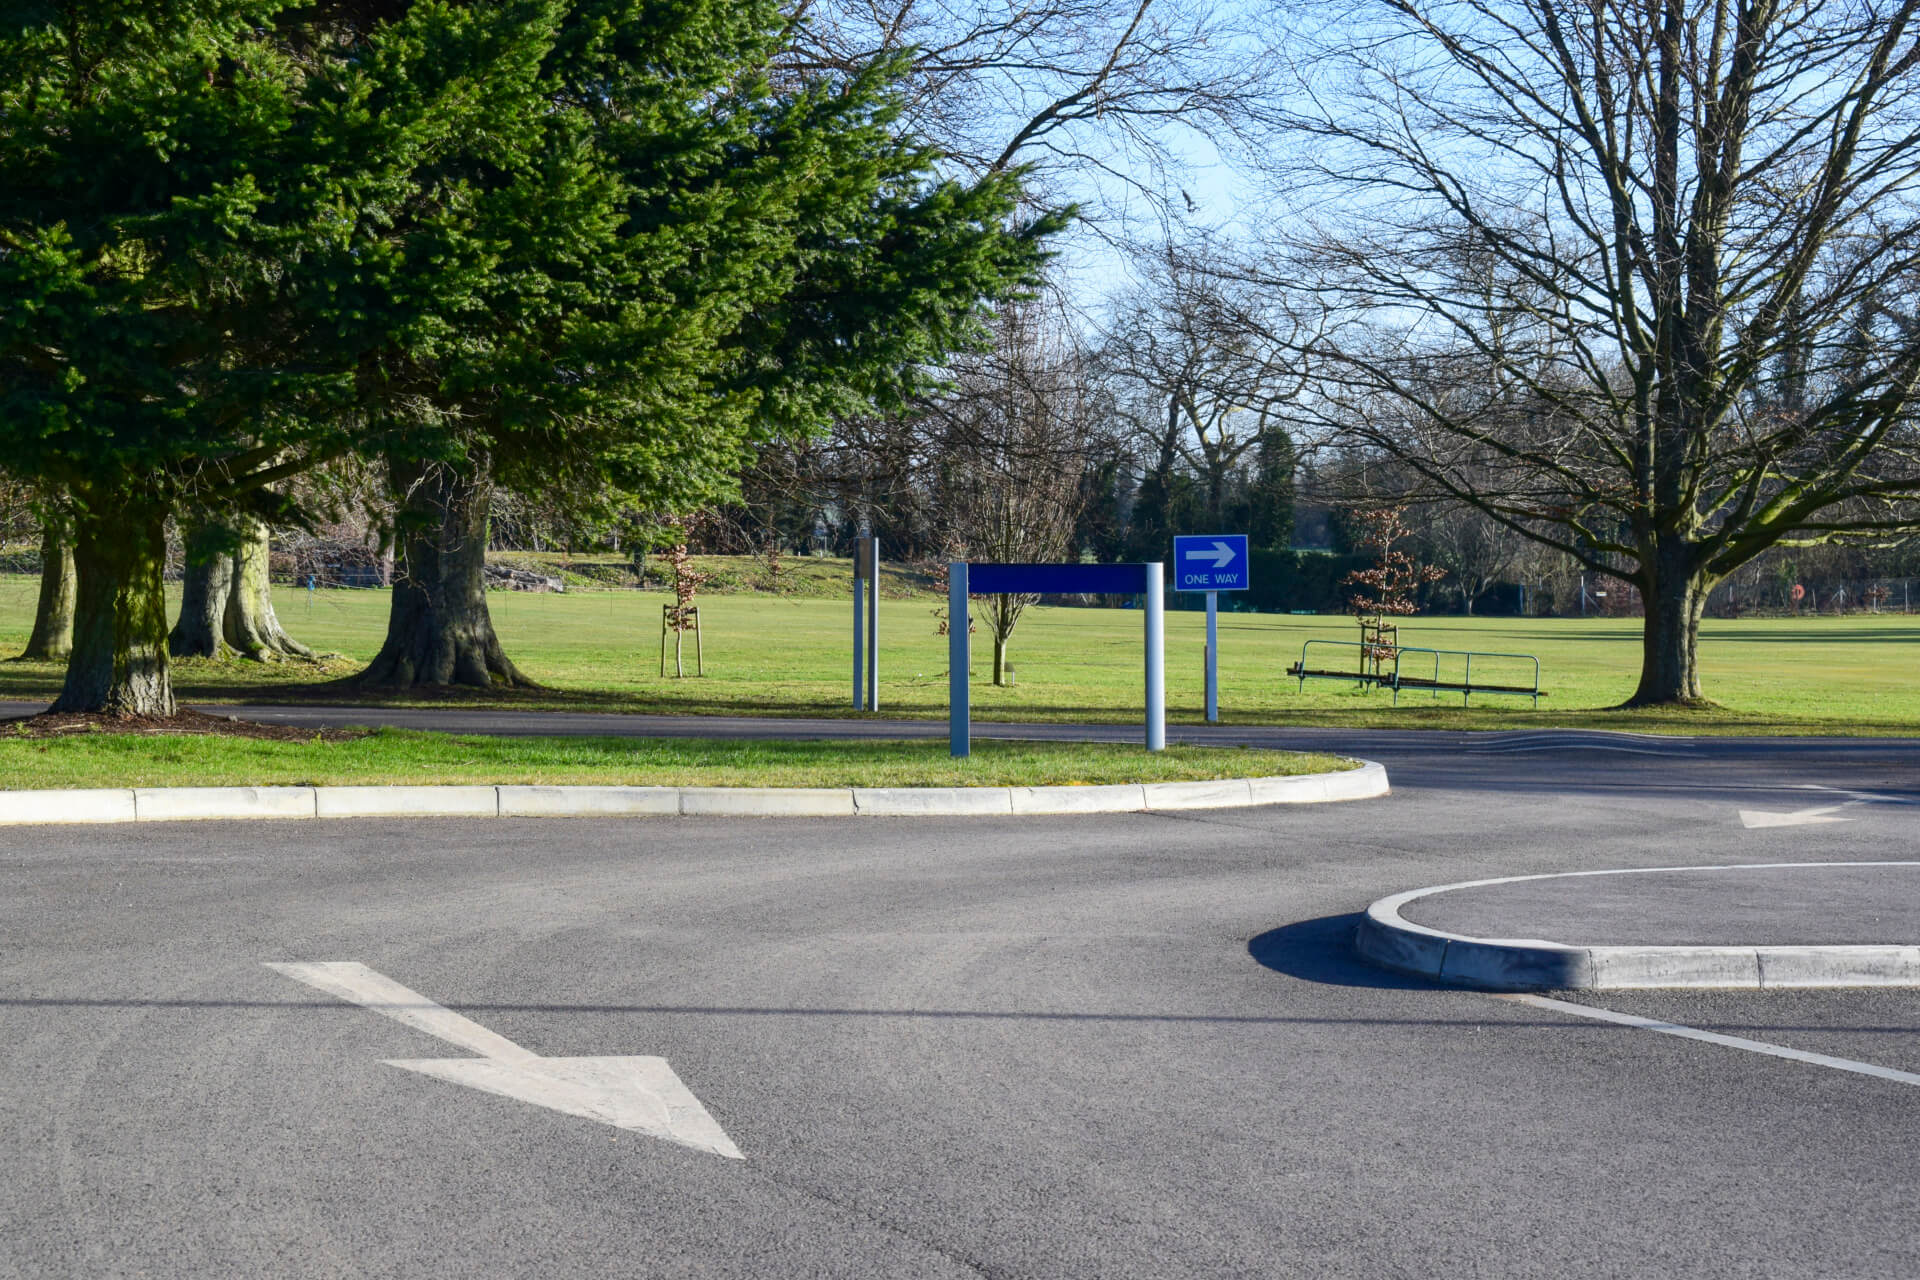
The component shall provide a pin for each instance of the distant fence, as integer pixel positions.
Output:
(1815, 596)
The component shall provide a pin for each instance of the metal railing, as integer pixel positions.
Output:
(1398, 679)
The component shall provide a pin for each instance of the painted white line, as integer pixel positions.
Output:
(638, 1093)
(1751, 818)
(1714, 1037)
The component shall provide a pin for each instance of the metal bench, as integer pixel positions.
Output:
(1371, 669)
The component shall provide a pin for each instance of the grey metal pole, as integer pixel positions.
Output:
(1156, 658)
(873, 624)
(958, 659)
(1213, 657)
(859, 638)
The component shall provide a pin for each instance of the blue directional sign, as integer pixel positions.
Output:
(1210, 562)
(1056, 579)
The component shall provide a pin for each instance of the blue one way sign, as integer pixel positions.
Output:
(1210, 562)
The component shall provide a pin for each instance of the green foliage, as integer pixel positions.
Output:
(162, 169)
(1100, 531)
(580, 243)
(1269, 501)
(1168, 502)
(586, 238)
(637, 261)
(1290, 581)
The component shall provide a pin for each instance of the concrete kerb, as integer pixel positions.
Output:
(172, 804)
(1391, 941)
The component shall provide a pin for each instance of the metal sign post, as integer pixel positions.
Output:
(866, 624)
(1145, 580)
(859, 634)
(1213, 660)
(1211, 563)
(1156, 658)
(959, 659)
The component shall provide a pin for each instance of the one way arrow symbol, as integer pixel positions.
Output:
(1220, 555)
(635, 1093)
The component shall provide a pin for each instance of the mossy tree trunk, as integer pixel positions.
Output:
(226, 599)
(119, 660)
(206, 582)
(439, 631)
(52, 637)
(249, 623)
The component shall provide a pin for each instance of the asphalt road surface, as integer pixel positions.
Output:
(1109, 1046)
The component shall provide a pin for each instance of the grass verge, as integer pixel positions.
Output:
(394, 756)
(774, 656)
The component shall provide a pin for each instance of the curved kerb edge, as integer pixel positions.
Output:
(1530, 964)
(173, 804)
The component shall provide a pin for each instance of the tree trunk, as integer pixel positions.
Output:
(119, 660)
(438, 629)
(205, 583)
(999, 658)
(52, 637)
(1670, 639)
(226, 598)
(248, 621)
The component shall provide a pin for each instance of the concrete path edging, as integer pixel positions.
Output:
(175, 804)
(1391, 941)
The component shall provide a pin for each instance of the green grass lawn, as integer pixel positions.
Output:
(782, 656)
(396, 756)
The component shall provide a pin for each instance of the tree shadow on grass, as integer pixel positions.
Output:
(1890, 635)
(1322, 950)
(1714, 631)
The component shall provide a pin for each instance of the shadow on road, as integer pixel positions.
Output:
(1322, 951)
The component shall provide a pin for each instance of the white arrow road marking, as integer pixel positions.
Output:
(1804, 817)
(637, 1093)
(1752, 818)
(1220, 554)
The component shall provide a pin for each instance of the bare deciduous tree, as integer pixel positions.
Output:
(1082, 90)
(1212, 386)
(1012, 442)
(1626, 275)
(1470, 546)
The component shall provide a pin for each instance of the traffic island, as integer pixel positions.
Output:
(1754, 926)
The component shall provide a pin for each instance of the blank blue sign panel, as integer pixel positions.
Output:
(1056, 579)
(1210, 562)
